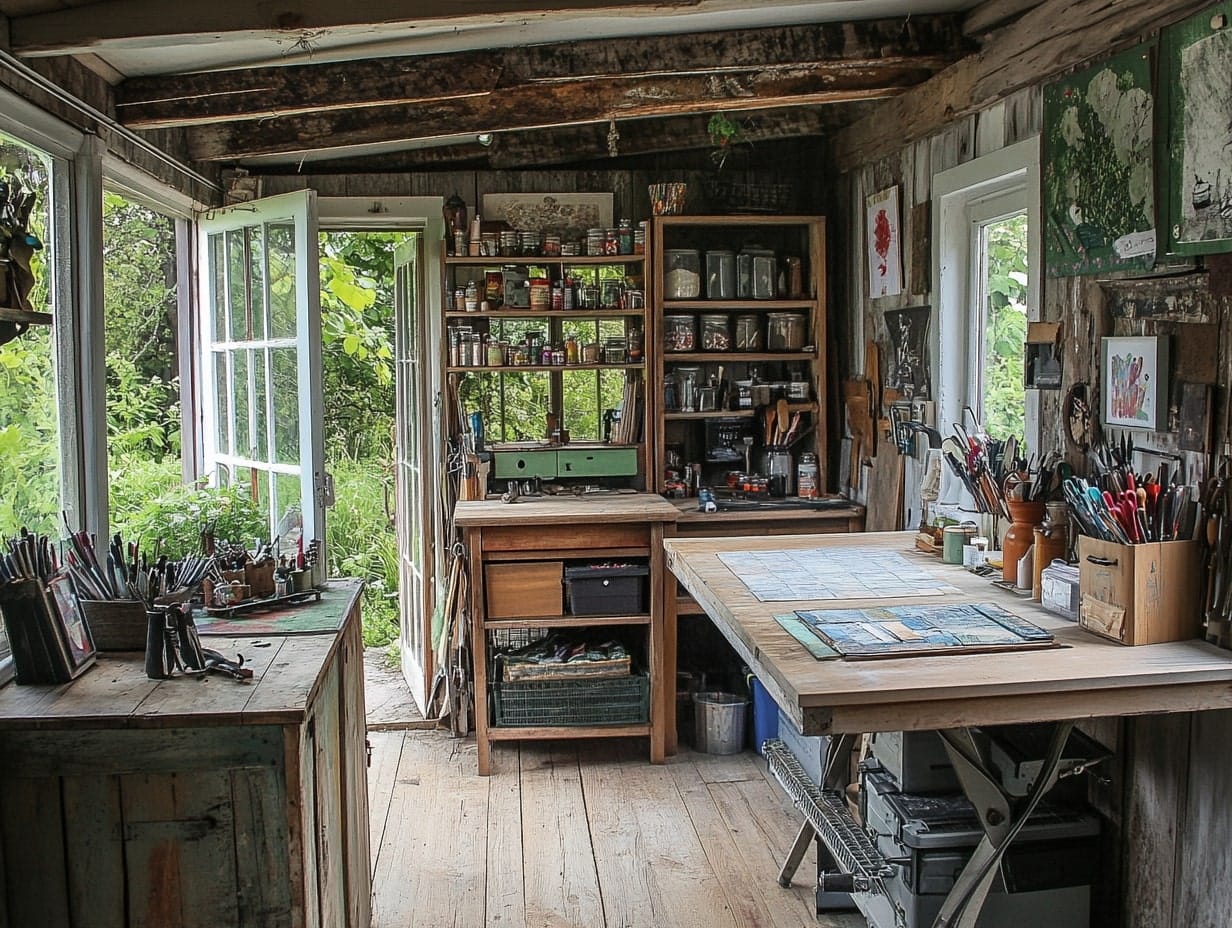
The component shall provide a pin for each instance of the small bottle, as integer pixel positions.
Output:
(807, 476)
(470, 297)
(567, 294)
(571, 351)
(625, 234)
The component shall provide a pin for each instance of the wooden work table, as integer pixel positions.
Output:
(550, 530)
(192, 801)
(1086, 678)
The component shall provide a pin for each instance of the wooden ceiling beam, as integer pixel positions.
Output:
(261, 93)
(546, 105)
(1052, 37)
(149, 23)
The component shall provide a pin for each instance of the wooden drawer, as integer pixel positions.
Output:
(526, 588)
(541, 537)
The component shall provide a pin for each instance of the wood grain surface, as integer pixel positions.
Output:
(1087, 677)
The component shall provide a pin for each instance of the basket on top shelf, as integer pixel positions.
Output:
(724, 194)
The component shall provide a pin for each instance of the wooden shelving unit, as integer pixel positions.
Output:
(800, 237)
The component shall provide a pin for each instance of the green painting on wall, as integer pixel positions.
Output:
(1099, 189)
(1196, 92)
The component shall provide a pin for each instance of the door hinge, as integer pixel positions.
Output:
(325, 489)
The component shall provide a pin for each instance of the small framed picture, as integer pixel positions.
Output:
(1134, 382)
(77, 644)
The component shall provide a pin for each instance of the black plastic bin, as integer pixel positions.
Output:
(596, 589)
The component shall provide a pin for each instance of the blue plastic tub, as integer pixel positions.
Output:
(765, 714)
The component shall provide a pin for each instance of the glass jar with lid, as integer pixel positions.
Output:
(679, 333)
(785, 331)
(748, 333)
(720, 275)
(715, 333)
(682, 278)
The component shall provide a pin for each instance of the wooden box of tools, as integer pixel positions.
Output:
(1140, 594)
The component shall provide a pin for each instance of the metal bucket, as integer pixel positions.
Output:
(718, 722)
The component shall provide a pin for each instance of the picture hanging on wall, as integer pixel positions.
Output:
(1197, 94)
(885, 263)
(908, 372)
(1098, 178)
(1134, 382)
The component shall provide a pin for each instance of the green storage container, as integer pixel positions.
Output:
(523, 464)
(597, 462)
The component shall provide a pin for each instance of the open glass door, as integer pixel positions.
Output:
(413, 426)
(261, 370)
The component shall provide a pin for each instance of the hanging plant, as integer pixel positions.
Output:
(725, 134)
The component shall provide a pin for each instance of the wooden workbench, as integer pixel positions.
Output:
(1087, 678)
(550, 529)
(192, 801)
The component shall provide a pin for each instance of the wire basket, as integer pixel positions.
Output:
(511, 639)
(620, 701)
(726, 195)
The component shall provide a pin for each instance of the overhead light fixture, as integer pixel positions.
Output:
(484, 139)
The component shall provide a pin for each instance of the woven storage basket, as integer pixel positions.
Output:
(116, 625)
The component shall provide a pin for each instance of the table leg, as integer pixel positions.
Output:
(798, 849)
(1000, 817)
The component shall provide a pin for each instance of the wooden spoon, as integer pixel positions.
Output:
(782, 416)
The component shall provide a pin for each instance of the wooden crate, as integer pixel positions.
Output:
(1140, 594)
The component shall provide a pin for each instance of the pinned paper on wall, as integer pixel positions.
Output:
(885, 263)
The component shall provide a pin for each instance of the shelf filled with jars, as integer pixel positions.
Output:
(738, 320)
(530, 317)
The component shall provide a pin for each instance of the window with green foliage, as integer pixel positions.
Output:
(1003, 300)
(29, 412)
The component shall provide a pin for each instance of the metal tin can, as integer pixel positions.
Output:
(807, 476)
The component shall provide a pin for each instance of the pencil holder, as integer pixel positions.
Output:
(117, 625)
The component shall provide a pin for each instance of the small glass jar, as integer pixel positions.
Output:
(459, 300)
(611, 241)
(572, 352)
(528, 243)
(470, 297)
(496, 354)
(682, 274)
(551, 245)
(558, 296)
(633, 343)
(614, 350)
(715, 333)
(785, 331)
(540, 294)
(590, 353)
(748, 333)
(594, 242)
(625, 233)
(679, 333)
(568, 294)
(639, 238)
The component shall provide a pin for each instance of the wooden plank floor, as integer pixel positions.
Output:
(579, 835)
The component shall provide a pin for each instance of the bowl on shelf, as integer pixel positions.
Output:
(667, 199)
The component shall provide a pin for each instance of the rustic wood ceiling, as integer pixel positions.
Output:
(361, 84)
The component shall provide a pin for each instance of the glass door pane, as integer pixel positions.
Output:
(262, 336)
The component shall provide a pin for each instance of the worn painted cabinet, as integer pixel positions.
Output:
(192, 802)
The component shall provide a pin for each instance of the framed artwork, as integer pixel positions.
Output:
(1196, 93)
(908, 368)
(569, 214)
(885, 262)
(1099, 164)
(1134, 382)
(76, 642)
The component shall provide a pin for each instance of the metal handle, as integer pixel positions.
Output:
(1102, 561)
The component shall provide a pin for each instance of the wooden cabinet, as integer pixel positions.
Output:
(192, 802)
(539, 372)
(737, 299)
(536, 539)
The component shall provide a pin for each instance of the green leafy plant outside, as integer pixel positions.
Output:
(1005, 330)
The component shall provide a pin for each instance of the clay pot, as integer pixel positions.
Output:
(1025, 515)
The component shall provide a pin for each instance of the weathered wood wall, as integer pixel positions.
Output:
(1167, 829)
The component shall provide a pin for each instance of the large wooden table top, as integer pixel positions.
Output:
(1087, 677)
(566, 510)
(115, 693)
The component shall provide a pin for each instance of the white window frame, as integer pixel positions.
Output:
(1002, 183)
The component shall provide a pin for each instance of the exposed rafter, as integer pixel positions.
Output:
(1047, 39)
(134, 23)
(827, 52)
